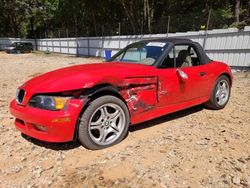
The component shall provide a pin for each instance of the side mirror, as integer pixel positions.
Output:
(182, 75)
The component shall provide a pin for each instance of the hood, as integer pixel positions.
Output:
(86, 76)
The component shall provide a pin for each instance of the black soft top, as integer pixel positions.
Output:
(170, 40)
(175, 41)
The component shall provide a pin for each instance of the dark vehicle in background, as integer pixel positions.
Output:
(20, 47)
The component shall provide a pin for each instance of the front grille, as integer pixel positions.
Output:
(20, 95)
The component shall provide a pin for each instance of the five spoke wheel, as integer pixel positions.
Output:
(220, 93)
(104, 123)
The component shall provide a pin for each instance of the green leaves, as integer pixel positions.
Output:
(62, 18)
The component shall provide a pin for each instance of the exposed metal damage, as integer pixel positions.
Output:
(139, 93)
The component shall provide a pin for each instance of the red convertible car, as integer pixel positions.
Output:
(96, 103)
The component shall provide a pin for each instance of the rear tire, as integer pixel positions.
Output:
(104, 123)
(220, 94)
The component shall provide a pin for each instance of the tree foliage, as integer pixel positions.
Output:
(62, 18)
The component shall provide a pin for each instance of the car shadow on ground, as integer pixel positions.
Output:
(165, 118)
(144, 125)
(53, 146)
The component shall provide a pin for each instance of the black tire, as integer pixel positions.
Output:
(213, 102)
(85, 134)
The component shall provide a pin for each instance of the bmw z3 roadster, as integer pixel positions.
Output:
(96, 103)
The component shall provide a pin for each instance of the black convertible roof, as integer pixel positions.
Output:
(204, 59)
(202, 55)
(170, 39)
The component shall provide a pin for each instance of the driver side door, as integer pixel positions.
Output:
(170, 89)
(173, 89)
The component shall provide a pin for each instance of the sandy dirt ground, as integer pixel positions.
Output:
(196, 147)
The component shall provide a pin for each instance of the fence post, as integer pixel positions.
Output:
(119, 35)
(67, 33)
(60, 43)
(168, 25)
(36, 44)
(102, 42)
(52, 43)
(141, 28)
(47, 48)
(206, 31)
(88, 47)
(77, 54)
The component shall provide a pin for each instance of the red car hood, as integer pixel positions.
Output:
(86, 76)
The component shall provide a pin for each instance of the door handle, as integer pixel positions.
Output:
(202, 73)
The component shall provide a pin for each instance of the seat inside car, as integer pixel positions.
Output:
(184, 59)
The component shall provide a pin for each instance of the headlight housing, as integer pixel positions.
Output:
(49, 102)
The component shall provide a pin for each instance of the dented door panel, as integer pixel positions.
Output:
(170, 88)
(139, 93)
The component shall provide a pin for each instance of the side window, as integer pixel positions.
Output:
(186, 56)
(181, 56)
(169, 61)
(194, 57)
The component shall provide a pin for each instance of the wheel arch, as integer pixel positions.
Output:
(210, 103)
(228, 76)
(93, 93)
(101, 90)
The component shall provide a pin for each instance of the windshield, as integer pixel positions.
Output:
(146, 53)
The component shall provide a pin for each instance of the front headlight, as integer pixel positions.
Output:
(49, 102)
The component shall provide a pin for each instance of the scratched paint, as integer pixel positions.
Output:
(139, 93)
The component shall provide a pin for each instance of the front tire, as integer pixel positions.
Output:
(104, 123)
(220, 93)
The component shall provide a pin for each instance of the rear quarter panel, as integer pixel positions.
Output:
(216, 69)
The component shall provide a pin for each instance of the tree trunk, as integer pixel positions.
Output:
(148, 17)
(94, 22)
(148, 13)
(237, 11)
(145, 10)
(248, 13)
(129, 11)
(32, 27)
(151, 15)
